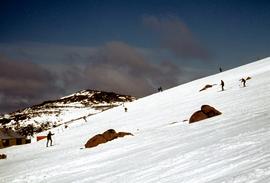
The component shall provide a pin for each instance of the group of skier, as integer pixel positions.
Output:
(242, 80)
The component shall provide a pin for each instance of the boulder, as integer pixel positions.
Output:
(209, 111)
(206, 87)
(3, 156)
(197, 116)
(206, 112)
(122, 134)
(110, 134)
(94, 141)
(106, 136)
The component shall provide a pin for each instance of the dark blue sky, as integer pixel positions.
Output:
(89, 22)
(76, 40)
(223, 26)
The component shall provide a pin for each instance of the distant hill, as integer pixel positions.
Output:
(63, 111)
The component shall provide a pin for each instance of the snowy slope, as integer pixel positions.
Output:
(65, 110)
(232, 147)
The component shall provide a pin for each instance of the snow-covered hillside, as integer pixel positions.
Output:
(65, 110)
(232, 147)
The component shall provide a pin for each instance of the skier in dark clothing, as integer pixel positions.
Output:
(220, 69)
(243, 81)
(222, 85)
(49, 138)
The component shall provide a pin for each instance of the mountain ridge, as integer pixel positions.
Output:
(91, 101)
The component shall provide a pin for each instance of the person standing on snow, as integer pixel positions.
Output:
(160, 89)
(222, 85)
(220, 69)
(49, 138)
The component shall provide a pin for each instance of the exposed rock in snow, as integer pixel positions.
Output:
(3, 156)
(206, 87)
(108, 135)
(205, 112)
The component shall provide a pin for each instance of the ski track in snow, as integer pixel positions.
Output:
(233, 147)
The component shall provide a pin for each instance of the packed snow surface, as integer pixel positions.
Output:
(232, 147)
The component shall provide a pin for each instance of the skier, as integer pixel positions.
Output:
(126, 109)
(222, 85)
(160, 89)
(220, 69)
(49, 138)
(243, 81)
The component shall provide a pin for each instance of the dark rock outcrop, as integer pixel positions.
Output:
(107, 136)
(197, 116)
(205, 112)
(209, 111)
(206, 87)
(122, 134)
(3, 156)
(110, 134)
(96, 140)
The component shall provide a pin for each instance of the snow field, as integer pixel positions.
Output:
(232, 147)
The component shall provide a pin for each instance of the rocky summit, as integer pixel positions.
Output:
(57, 112)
